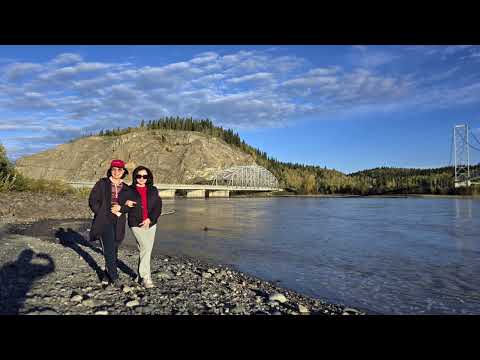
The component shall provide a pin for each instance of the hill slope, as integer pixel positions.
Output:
(173, 156)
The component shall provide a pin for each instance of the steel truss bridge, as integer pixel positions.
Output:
(251, 178)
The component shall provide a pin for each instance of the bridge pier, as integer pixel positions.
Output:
(167, 193)
(219, 193)
(195, 193)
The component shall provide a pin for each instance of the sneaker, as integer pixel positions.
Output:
(104, 278)
(147, 283)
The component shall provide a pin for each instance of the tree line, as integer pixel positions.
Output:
(307, 179)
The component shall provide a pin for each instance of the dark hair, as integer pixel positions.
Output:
(125, 173)
(149, 175)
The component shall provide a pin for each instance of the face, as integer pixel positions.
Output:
(142, 177)
(117, 173)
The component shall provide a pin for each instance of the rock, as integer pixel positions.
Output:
(163, 275)
(350, 311)
(272, 303)
(238, 309)
(303, 309)
(211, 271)
(48, 312)
(206, 275)
(101, 312)
(76, 298)
(132, 303)
(277, 313)
(89, 303)
(127, 289)
(278, 297)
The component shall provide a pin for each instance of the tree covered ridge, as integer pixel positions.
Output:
(308, 179)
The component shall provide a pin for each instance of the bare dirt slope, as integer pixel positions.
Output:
(173, 156)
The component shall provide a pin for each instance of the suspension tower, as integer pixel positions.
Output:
(462, 155)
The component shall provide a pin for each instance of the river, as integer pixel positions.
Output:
(381, 255)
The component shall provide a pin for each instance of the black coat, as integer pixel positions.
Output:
(100, 202)
(154, 205)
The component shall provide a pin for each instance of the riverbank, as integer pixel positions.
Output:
(48, 267)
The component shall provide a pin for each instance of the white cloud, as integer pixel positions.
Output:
(241, 89)
(263, 76)
(15, 71)
(66, 58)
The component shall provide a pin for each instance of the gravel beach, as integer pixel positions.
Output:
(47, 267)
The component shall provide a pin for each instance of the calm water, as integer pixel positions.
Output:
(382, 255)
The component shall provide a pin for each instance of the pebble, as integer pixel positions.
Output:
(48, 312)
(127, 289)
(164, 275)
(89, 303)
(350, 311)
(132, 303)
(101, 312)
(76, 298)
(303, 309)
(278, 297)
(206, 275)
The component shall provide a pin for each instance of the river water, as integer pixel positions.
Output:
(381, 255)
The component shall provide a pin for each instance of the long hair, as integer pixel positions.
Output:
(149, 174)
(109, 173)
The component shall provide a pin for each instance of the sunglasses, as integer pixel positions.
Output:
(142, 176)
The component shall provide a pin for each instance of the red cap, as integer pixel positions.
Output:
(117, 163)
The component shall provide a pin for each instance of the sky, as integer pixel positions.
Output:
(348, 108)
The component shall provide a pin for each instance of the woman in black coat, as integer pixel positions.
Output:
(142, 219)
(107, 202)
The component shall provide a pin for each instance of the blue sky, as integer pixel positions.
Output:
(344, 107)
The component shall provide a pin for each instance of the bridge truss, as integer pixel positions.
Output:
(247, 176)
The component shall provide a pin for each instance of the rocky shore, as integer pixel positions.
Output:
(48, 267)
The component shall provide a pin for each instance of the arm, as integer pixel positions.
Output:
(126, 195)
(157, 206)
(95, 198)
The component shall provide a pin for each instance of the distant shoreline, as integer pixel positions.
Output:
(433, 196)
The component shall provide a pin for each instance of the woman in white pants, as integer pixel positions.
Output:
(142, 219)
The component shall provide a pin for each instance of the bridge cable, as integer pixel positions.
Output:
(473, 147)
(475, 137)
(451, 151)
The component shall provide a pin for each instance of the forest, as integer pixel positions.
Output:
(310, 179)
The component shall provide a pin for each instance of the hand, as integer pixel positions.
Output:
(145, 223)
(115, 208)
(130, 203)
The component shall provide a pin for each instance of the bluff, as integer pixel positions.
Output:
(174, 156)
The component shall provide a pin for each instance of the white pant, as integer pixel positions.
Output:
(145, 240)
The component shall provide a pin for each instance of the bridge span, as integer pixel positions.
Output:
(193, 190)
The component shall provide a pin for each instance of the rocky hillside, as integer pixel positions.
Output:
(173, 156)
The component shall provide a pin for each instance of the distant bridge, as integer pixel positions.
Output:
(464, 176)
(238, 178)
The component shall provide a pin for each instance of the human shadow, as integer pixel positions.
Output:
(17, 278)
(73, 240)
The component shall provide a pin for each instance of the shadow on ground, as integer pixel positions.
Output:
(17, 278)
(72, 239)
